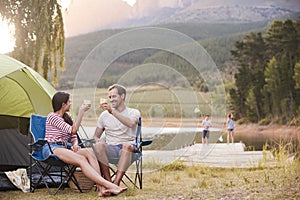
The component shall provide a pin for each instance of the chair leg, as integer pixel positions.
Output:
(69, 171)
(30, 176)
(114, 173)
(41, 178)
(63, 178)
(43, 171)
(71, 177)
(141, 173)
(130, 180)
(138, 175)
(127, 177)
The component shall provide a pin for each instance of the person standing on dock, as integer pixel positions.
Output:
(230, 128)
(206, 123)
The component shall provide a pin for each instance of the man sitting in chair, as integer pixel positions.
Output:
(120, 124)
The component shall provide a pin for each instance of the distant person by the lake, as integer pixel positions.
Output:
(206, 123)
(230, 128)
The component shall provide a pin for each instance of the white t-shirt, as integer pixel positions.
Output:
(115, 131)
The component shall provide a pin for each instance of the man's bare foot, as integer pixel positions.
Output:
(103, 192)
(106, 193)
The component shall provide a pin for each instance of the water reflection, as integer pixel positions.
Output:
(171, 138)
(174, 138)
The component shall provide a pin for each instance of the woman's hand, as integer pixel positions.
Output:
(75, 148)
(85, 107)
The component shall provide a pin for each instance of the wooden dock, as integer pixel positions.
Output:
(212, 155)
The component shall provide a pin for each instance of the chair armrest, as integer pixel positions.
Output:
(88, 140)
(146, 142)
(142, 143)
(37, 145)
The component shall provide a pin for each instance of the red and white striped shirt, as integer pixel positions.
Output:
(57, 130)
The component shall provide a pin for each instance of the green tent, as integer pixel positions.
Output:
(22, 92)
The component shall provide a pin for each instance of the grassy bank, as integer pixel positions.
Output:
(177, 181)
(151, 101)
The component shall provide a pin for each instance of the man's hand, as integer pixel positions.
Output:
(106, 106)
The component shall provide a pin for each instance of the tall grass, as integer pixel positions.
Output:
(286, 151)
(179, 181)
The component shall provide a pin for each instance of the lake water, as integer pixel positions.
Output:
(170, 138)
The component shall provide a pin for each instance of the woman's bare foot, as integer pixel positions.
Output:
(117, 190)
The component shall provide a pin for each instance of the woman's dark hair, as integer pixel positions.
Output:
(58, 99)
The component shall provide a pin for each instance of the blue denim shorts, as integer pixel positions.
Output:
(205, 134)
(46, 151)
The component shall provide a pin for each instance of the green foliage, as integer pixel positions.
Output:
(252, 110)
(217, 39)
(219, 48)
(39, 34)
(266, 82)
(242, 121)
(264, 121)
(272, 86)
(297, 75)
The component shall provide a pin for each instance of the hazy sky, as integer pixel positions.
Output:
(97, 13)
(83, 16)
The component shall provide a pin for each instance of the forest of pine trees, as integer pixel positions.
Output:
(267, 85)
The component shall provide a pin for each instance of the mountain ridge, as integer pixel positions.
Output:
(208, 11)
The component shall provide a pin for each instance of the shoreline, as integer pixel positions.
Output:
(272, 130)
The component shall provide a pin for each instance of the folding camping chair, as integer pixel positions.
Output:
(136, 158)
(44, 165)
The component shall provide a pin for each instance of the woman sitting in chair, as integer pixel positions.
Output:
(60, 129)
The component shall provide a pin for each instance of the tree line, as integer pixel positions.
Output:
(267, 85)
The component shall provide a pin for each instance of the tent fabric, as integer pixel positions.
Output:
(14, 99)
(14, 148)
(9, 65)
(23, 91)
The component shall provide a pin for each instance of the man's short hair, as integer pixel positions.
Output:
(121, 89)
